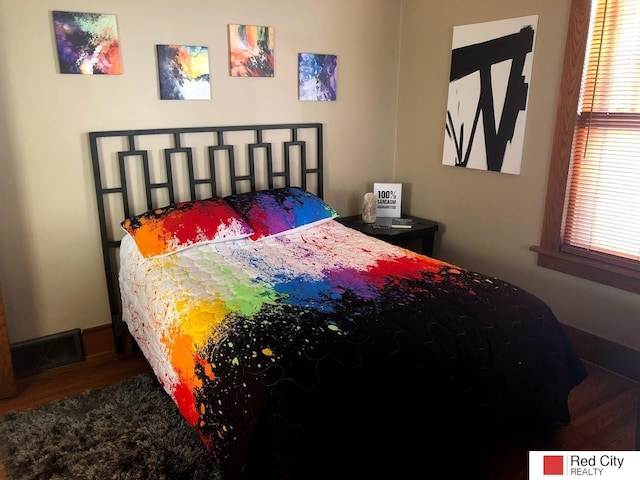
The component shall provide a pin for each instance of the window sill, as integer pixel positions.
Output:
(614, 276)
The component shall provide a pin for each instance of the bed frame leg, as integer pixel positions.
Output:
(119, 328)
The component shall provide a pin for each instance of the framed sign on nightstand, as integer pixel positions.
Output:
(388, 199)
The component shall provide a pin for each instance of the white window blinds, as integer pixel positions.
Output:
(602, 210)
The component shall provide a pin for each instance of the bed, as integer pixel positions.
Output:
(295, 346)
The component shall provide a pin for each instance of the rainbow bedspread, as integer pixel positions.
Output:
(298, 353)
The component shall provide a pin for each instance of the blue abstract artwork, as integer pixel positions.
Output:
(317, 78)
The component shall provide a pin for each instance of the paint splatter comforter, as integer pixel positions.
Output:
(326, 351)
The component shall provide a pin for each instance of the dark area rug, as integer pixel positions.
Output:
(130, 430)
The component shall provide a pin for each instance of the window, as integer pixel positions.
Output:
(592, 216)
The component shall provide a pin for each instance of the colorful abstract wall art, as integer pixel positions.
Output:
(183, 71)
(251, 51)
(87, 43)
(489, 82)
(317, 77)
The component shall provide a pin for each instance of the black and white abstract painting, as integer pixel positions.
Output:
(489, 83)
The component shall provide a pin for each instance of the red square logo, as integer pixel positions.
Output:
(553, 465)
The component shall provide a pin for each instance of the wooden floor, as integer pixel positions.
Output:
(603, 417)
(603, 409)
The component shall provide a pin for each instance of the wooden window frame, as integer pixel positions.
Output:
(551, 253)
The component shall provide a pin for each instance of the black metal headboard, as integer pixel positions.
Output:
(138, 170)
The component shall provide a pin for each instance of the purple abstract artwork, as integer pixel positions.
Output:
(317, 79)
(87, 43)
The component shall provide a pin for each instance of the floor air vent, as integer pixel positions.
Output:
(34, 356)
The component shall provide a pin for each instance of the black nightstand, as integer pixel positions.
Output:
(421, 229)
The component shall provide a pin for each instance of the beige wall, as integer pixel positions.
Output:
(50, 261)
(489, 219)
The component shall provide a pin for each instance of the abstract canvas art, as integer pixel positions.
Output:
(489, 82)
(317, 77)
(251, 51)
(87, 43)
(183, 71)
